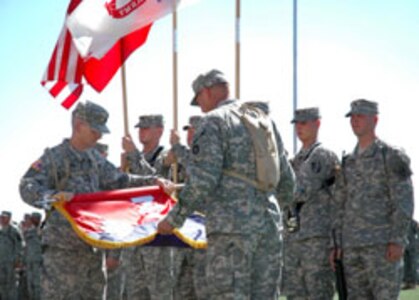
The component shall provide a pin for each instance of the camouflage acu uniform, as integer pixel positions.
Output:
(307, 273)
(410, 257)
(69, 264)
(158, 267)
(10, 256)
(33, 260)
(374, 197)
(244, 243)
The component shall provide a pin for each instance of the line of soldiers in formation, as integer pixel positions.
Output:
(20, 257)
(365, 199)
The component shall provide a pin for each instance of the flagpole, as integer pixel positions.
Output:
(124, 100)
(237, 49)
(124, 90)
(294, 78)
(175, 81)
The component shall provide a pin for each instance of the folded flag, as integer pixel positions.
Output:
(128, 217)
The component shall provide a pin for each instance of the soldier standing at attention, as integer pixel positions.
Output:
(242, 219)
(10, 256)
(307, 273)
(33, 256)
(374, 197)
(158, 267)
(73, 166)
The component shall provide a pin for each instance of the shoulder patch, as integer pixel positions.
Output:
(37, 165)
(316, 166)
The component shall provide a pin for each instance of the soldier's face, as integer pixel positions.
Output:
(88, 136)
(363, 124)
(307, 130)
(4, 221)
(150, 134)
(204, 100)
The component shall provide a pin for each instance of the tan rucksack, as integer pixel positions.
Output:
(260, 128)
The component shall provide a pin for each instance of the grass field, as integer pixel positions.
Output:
(405, 295)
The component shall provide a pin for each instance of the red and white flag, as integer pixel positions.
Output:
(96, 25)
(67, 71)
(128, 217)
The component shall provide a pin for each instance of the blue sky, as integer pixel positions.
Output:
(347, 50)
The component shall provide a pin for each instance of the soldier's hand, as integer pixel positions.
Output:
(394, 252)
(165, 228)
(168, 186)
(127, 144)
(112, 263)
(169, 159)
(63, 196)
(174, 137)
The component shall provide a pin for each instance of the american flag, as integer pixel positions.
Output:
(63, 76)
(67, 71)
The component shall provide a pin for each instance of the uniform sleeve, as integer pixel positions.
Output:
(111, 177)
(337, 205)
(37, 183)
(182, 154)
(138, 165)
(401, 195)
(205, 170)
(286, 186)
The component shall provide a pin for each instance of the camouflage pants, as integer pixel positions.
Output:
(156, 269)
(307, 273)
(191, 281)
(243, 267)
(33, 280)
(115, 283)
(72, 275)
(8, 288)
(410, 260)
(369, 275)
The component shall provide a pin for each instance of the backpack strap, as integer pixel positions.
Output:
(253, 183)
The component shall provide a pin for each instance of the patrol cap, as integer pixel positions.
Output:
(306, 114)
(193, 122)
(6, 213)
(36, 215)
(95, 115)
(147, 121)
(363, 107)
(207, 80)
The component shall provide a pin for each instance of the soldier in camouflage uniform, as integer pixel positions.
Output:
(410, 258)
(195, 258)
(307, 273)
(158, 267)
(10, 256)
(73, 166)
(374, 197)
(22, 289)
(244, 242)
(33, 256)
